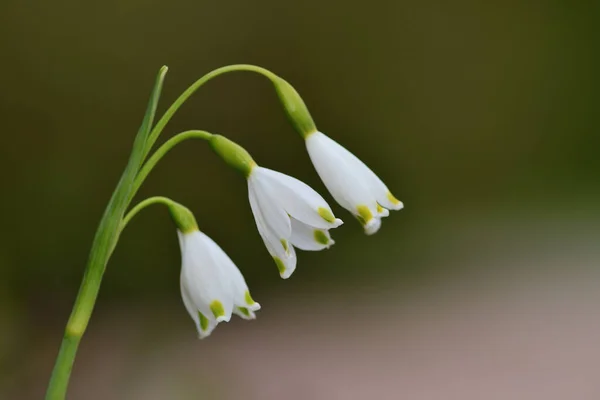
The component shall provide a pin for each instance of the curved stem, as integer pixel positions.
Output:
(143, 204)
(112, 223)
(195, 86)
(161, 151)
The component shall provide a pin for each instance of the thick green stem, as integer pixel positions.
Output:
(64, 364)
(104, 243)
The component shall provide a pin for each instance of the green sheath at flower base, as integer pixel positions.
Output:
(183, 217)
(233, 154)
(294, 107)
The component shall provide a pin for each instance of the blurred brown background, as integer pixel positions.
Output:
(481, 116)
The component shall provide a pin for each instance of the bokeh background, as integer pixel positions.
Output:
(482, 117)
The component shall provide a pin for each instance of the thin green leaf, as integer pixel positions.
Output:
(148, 120)
(108, 232)
(105, 241)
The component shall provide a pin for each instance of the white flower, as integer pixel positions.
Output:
(351, 183)
(212, 287)
(288, 213)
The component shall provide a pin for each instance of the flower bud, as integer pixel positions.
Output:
(233, 154)
(294, 107)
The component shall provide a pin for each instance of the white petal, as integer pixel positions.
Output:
(372, 226)
(298, 199)
(287, 265)
(189, 305)
(209, 324)
(272, 241)
(284, 259)
(376, 186)
(273, 214)
(202, 276)
(206, 330)
(244, 313)
(382, 212)
(203, 333)
(306, 237)
(339, 175)
(232, 275)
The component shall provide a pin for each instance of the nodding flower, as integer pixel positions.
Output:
(212, 287)
(288, 214)
(351, 183)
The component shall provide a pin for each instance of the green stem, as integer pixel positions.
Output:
(59, 381)
(91, 282)
(110, 226)
(145, 203)
(105, 240)
(161, 151)
(195, 86)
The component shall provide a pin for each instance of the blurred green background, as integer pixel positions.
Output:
(482, 117)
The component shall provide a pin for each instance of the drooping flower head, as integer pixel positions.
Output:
(288, 212)
(212, 287)
(351, 183)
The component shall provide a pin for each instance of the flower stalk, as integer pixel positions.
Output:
(288, 214)
(110, 225)
(182, 216)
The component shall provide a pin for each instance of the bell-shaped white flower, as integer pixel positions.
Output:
(212, 287)
(351, 183)
(288, 214)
